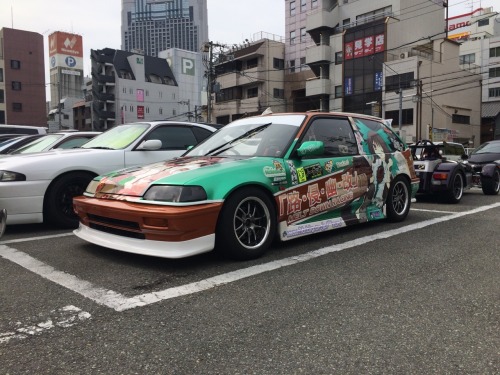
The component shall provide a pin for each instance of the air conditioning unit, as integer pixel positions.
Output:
(404, 55)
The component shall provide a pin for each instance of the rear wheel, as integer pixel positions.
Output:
(398, 200)
(247, 225)
(491, 186)
(456, 190)
(58, 203)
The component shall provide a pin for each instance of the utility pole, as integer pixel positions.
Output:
(59, 103)
(209, 48)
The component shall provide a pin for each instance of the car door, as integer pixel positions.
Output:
(175, 140)
(325, 186)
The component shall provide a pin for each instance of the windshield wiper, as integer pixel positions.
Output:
(251, 132)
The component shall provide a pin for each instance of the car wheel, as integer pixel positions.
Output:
(456, 190)
(398, 200)
(58, 202)
(491, 186)
(246, 226)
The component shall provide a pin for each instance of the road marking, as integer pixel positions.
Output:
(36, 238)
(436, 211)
(120, 302)
(64, 317)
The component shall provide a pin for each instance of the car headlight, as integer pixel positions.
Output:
(92, 186)
(173, 193)
(7, 176)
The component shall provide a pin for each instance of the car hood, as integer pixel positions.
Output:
(213, 173)
(483, 158)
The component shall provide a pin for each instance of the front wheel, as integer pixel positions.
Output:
(491, 186)
(398, 200)
(456, 190)
(246, 225)
(58, 202)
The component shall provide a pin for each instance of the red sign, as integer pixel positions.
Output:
(140, 112)
(349, 51)
(358, 48)
(368, 45)
(379, 43)
(65, 44)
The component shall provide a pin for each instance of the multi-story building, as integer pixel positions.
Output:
(151, 26)
(129, 87)
(22, 78)
(249, 79)
(479, 35)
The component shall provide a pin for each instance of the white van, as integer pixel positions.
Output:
(22, 129)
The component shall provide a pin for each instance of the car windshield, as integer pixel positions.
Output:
(486, 148)
(255, 136)
(38, 145)
(118, 137)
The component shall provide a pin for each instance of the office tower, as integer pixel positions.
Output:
(152, 26)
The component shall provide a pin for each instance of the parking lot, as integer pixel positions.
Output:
(419, 296)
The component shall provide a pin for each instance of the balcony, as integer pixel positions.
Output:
(318, 86)
(318, 54)
(241, 78)
(322, 19)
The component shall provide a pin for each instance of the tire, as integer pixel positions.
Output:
(398, 200)
(246, 226)
(491, 186)
(58, 202)
(456, 190)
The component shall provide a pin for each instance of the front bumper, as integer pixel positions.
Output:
(156, 230)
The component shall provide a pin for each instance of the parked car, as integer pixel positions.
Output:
(22, 129)
(11, 144)
(39, 187)
(258, 178)
(485, 165)
(441, 173)
(61, 140)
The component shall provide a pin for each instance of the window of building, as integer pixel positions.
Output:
(253, 92)
(460, 119)
(292, 66)
(346, 21)
(494, 72)
(1, 75)
(160, 111)
(292, 8)
(314, 3)
(494, 92)
(393, 83)
(303, 35)
(2, 99)
(252, 63)
(338, 91)
(375, 14)
(16, 85)
(495, 52)
(302, 63)
(406, 115)
(303, 5)
(484, 22)
(279, 93)
(15, 64)
(278, 63)
(293, 36)
(339, 57)
(124, 90)
(17, 107)
(470, 58)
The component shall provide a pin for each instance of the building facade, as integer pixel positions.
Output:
(248, 80)
(129, 87)
(22, 78)
(151, 26)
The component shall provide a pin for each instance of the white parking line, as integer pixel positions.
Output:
(436, 211)
(119, 302)
(64, 318)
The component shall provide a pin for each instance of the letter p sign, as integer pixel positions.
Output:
(188, 66)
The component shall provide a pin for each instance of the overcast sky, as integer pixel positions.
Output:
(99, 21)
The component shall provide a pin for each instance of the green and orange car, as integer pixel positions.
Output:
(256, 180)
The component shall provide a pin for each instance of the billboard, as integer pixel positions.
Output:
(65, 50)
(459, 26)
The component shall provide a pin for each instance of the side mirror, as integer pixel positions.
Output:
(311, 148)
(150, 145)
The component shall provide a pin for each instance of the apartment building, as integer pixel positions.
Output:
(22, 78)
(249, 79)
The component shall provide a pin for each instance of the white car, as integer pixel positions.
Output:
(39, 187)
(61, 140)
